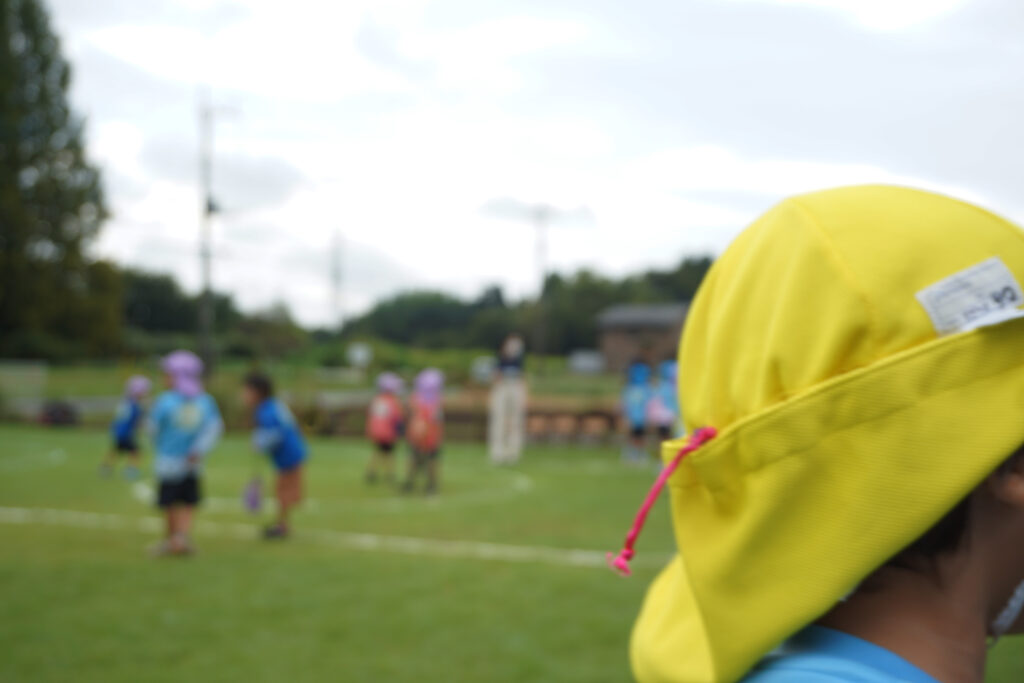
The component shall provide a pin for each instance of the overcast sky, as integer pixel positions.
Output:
(395, 122)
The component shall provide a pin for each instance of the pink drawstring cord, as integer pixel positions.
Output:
(620, 562)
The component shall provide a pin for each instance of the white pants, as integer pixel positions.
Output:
(507, 421)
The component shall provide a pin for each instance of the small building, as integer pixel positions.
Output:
(646, 331)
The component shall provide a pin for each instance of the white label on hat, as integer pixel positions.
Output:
(982, 295)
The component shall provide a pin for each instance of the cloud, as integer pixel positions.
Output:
(781, 81)
(379, 45)
(394, 121)
(885, 15)
(274, 267)
(211, 15)
(240, 181)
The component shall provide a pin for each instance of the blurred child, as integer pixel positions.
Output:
(186, 424)
(276, 434)
(384, 424)
(130, 413)
(426, 430)
(635, 398)
(506, 423)
(663, 407)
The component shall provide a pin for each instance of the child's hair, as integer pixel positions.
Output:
(259, 383)
(945, 536)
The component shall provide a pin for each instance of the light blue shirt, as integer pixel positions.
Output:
(182, 427)
(824, 655)
(634, 404)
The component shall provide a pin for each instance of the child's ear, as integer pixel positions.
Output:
(1007, 482)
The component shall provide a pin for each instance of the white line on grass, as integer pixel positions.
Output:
(31, 461)
(521, 484)
(406, 545)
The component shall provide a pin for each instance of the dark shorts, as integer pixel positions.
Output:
(386, 447)
(181, 492)
(664, 432)
(126, 445)
(637, 432)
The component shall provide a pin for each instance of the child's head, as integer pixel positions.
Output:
(857, 351)
(429, 385)
(389, 383)
(256, 388)
(638, 373)
(137, 387)
(513, 346)
(183, 372)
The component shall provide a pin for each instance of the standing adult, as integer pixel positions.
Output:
(507, 421)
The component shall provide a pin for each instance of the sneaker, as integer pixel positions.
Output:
(275, 532)
(130, 473)
(184, 548)
(161, 549)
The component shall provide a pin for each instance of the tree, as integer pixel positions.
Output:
(51, 202)
(155, 303)
(273, 332)
(429, 319)
(571, 305)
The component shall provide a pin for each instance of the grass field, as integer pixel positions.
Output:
(476, 585)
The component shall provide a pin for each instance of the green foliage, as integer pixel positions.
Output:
(430, 319)
(155, 303)
(567, 312)
(273, 333)
(51, 201)
(161, 317)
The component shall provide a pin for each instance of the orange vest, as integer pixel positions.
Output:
(384, 418)
(426, 427)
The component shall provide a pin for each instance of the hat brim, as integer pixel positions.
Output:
(787, 511)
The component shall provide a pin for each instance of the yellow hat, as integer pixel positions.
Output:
(859, 352)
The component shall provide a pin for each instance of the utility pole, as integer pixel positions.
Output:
(206, 210)
(336, 281)
(541, 216)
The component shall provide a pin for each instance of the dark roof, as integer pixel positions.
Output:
(643, 315)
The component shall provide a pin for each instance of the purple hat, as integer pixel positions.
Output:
(429, 384)
(137, 386)
(390, 383)
(186, 372)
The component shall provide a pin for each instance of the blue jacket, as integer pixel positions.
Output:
(126, 420)
(277, 435)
